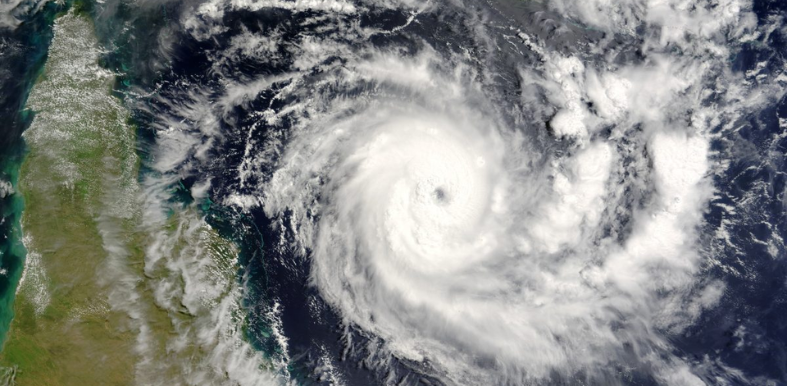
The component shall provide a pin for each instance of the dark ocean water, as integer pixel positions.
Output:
(746, 330)
(267, 274)
(756, 301)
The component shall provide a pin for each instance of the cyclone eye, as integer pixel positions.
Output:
(440, 196)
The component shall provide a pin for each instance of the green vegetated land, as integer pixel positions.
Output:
(88, 310)
(80, 158)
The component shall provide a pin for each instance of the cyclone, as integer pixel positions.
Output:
(480, 194)
(456, 240)
(392, 192)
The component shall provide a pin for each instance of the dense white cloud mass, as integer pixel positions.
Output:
(439, 221)
(430, 226)
(12, 12)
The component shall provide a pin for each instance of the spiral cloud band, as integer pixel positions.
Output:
(478, 221)
(433, 227)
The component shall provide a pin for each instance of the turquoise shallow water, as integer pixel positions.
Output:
(12, 250)
(22, 56)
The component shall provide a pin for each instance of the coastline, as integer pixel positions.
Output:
(59, 306)
(23, 52)
(122, 284)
